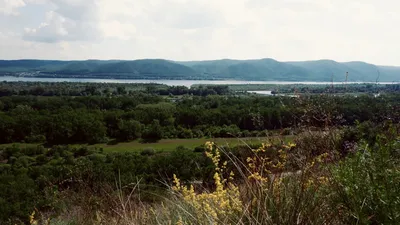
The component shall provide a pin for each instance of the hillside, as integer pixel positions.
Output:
(319, 70)
(263, 69)
(147, 68)
(258, 69)
(358, 71)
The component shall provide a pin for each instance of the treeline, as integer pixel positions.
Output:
(103, 89)
(317, 88)
(150, 117)
(343, 88)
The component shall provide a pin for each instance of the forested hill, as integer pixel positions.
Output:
(260, 69)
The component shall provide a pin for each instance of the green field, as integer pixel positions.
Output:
(172, 144)
(169, 144)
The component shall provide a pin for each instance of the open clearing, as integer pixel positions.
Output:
(170, 144)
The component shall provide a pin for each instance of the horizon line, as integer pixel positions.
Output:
(205, 60)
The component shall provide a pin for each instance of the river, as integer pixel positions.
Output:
(187, 83)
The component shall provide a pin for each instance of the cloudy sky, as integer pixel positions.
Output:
(343, 30)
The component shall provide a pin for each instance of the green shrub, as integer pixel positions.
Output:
(35, 139)
(152, 133)
(367, 186)
(148, 151)
(200, 148)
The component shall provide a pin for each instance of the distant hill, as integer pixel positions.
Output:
(135, 69)
(358, 71)
(262, 69)
(258, 69)
(319, 70)
(147, 68)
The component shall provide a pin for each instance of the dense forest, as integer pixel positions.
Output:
(155, 114)
(341, 165)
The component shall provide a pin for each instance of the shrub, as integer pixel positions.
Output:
(152, 133)
(261, 196)
(148, 152)
(200, 148)
(367, 186)
(246, 133)
(314, 143)
(129, 130)
(35, 139)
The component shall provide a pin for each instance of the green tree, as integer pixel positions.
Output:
(153, 132)
(129, 130)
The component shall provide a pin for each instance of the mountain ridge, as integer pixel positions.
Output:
(265, 69)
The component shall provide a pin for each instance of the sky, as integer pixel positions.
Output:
(286, 30)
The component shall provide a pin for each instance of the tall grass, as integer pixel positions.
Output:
(366, 187)
(306, 182)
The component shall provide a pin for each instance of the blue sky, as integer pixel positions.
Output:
(343, 30)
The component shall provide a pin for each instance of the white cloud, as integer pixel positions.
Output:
(53, 30)
(71, 20)
(202, 29)
(10, 7)
(118, 30)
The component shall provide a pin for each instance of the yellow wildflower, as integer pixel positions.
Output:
(323, 180)
(292, 145)
(218, 204)
(177, 184)
(180, 222)
(32, 220)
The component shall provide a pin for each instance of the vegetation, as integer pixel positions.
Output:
(103, 89)
(87, 156)
(260, 69)
(333, 88)
(147, 116)
(318, 180)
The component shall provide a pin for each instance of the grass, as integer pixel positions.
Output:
(359, 188)
(166, 144)
(172, 144)
(19, 145)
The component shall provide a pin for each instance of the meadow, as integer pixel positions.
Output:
(165, 145)
(172, 144)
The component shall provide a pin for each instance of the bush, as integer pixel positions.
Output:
(148, 152)
(314, 143)
(246, 133)
(198, 133)
(152, 133)
(129, 130)
(35, 139)
(287, 131)
(258, 196)
(367, 186)
(199, 149)
(185, 133)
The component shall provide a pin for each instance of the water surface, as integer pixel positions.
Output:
(186, 83)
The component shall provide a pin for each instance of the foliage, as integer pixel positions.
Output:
(343, 167)
(129, 130)
(218, 206)
(366, 185)
(127, 117)
(34, 178)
